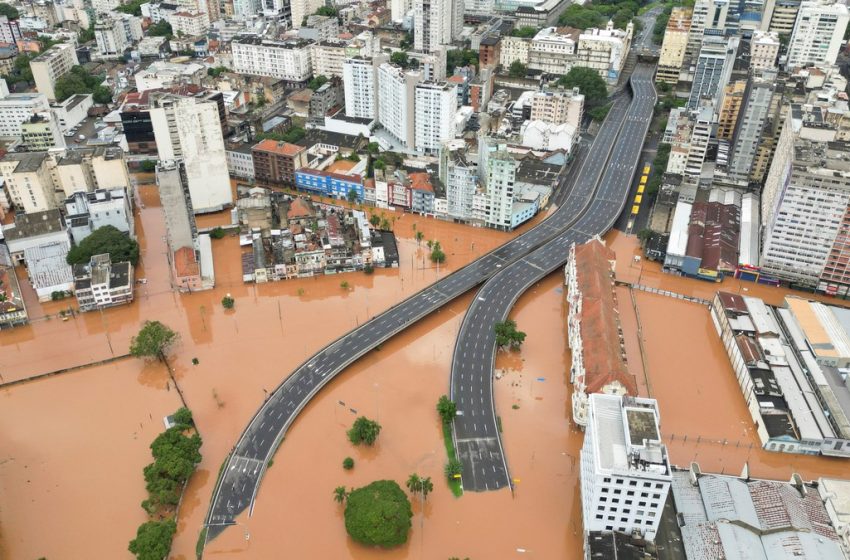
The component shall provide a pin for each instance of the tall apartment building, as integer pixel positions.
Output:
(674, 45)
(360, 83)
(189, 129)
(10, 31)
(713, 69)
(396, 102)
(301, 9)
(727, 117)
(784, 16)
(558, 107)
(764, 50)
(16, 108)
(751, 122)
(275, 163)
(327, 57)
(818, 34)
(28, 181)
(625, 470)
(399, 9)
(703, 123)
(102, 283)
(497, 172)
(116, 33)
(51, 65)
(41, 133)
(288, 60)
(435, 105)
(805, 206)
(459, 175)
(708, 15)
(436, 23)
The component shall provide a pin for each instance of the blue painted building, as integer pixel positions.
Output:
(329, 184)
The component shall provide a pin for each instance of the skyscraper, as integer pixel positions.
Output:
(436, 23)
(713, 69)
(751, 120)
(818, 34)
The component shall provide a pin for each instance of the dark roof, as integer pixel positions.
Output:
(713, 235)
(537, 172)
(490, 40)
(778, 425)
(386, 239)
(316, 136)
(36, 223)
(612, 545)
(119, 275)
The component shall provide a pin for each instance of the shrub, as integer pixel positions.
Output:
(378, 514)
(348, 463)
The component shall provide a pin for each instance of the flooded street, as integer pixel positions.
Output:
(77, 443)
(399, 386)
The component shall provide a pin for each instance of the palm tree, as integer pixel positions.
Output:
(425, 487)
(419, 237)
(340, 494)
(414, 483)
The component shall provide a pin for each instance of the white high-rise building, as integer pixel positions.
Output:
(764, 50)
(713, 69)
(116, 33)
(818, 34)
(707, 15)
(188, 129)
(400, 8)
(51, 65)
(558, 106)
(16, 108)
(435, 107)
(288, 60)
(459, 175)
(360, 83)
(396, 102)
(497, 171)
(625, 471)
(436, 23)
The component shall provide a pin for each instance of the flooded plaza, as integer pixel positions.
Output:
(76, 443)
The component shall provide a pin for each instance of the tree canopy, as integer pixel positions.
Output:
(317, 82)
(524, 32)
(589, 82)
(161, 29)
(153, 540)
(329, 11)
(9, 11)
(447, 409)
(517, 69)
(460, 57)
(79, 81)
(105, 239)
(378, 514)
(292, 135)
(132, 7)
(153, 341)
(364, 431)
(508, 335)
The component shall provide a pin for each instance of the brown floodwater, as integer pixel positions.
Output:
(399, 386)
(246, 351)
(73, 450)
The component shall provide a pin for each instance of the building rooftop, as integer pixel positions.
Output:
(624, 428)
(737, 519)
(34, 224)
(186, 262)
(316, 136)
(279, 148)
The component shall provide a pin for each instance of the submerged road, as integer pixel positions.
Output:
(239, 481)
(476, 434)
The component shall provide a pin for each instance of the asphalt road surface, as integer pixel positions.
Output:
(239, 481)
(476, 434)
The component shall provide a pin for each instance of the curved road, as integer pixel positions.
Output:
(476, 434)
(242, 472)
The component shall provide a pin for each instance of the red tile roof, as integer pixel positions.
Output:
(600, 324)
(280, 148)
(185, 262)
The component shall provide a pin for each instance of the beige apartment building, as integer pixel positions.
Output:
(51, 65)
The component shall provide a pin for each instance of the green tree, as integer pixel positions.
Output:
(460, 57)
(517, 69)
(105, 239)
(581, 17)
(437, 254)
(447, 409)
(588, 81)
(425, 487)
(386, 225)
(9, 11)
(453, 469)
(352, 195)
(373, 147)
(525, 32)
(153, 540)
(183, 417)
(378, 514)
(414, 484)
(317, 82)
(348, 463)
(327, 11)
(147, 166)
(419, 237)
(133, 7)
(400, 58)
(161, 29)
(375, 220)
(292, 135)
(102, 95)
(340, 494)
(228, 302)
(508, 335)
(153, 341)
(364, 431)
(599, 113)
(218, 232)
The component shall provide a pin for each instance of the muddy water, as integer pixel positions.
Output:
(399, 386)
(73, 449)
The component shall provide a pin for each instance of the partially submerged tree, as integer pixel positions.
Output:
(508, 335)
(153, 341)
(364, 431)
(378, 514)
